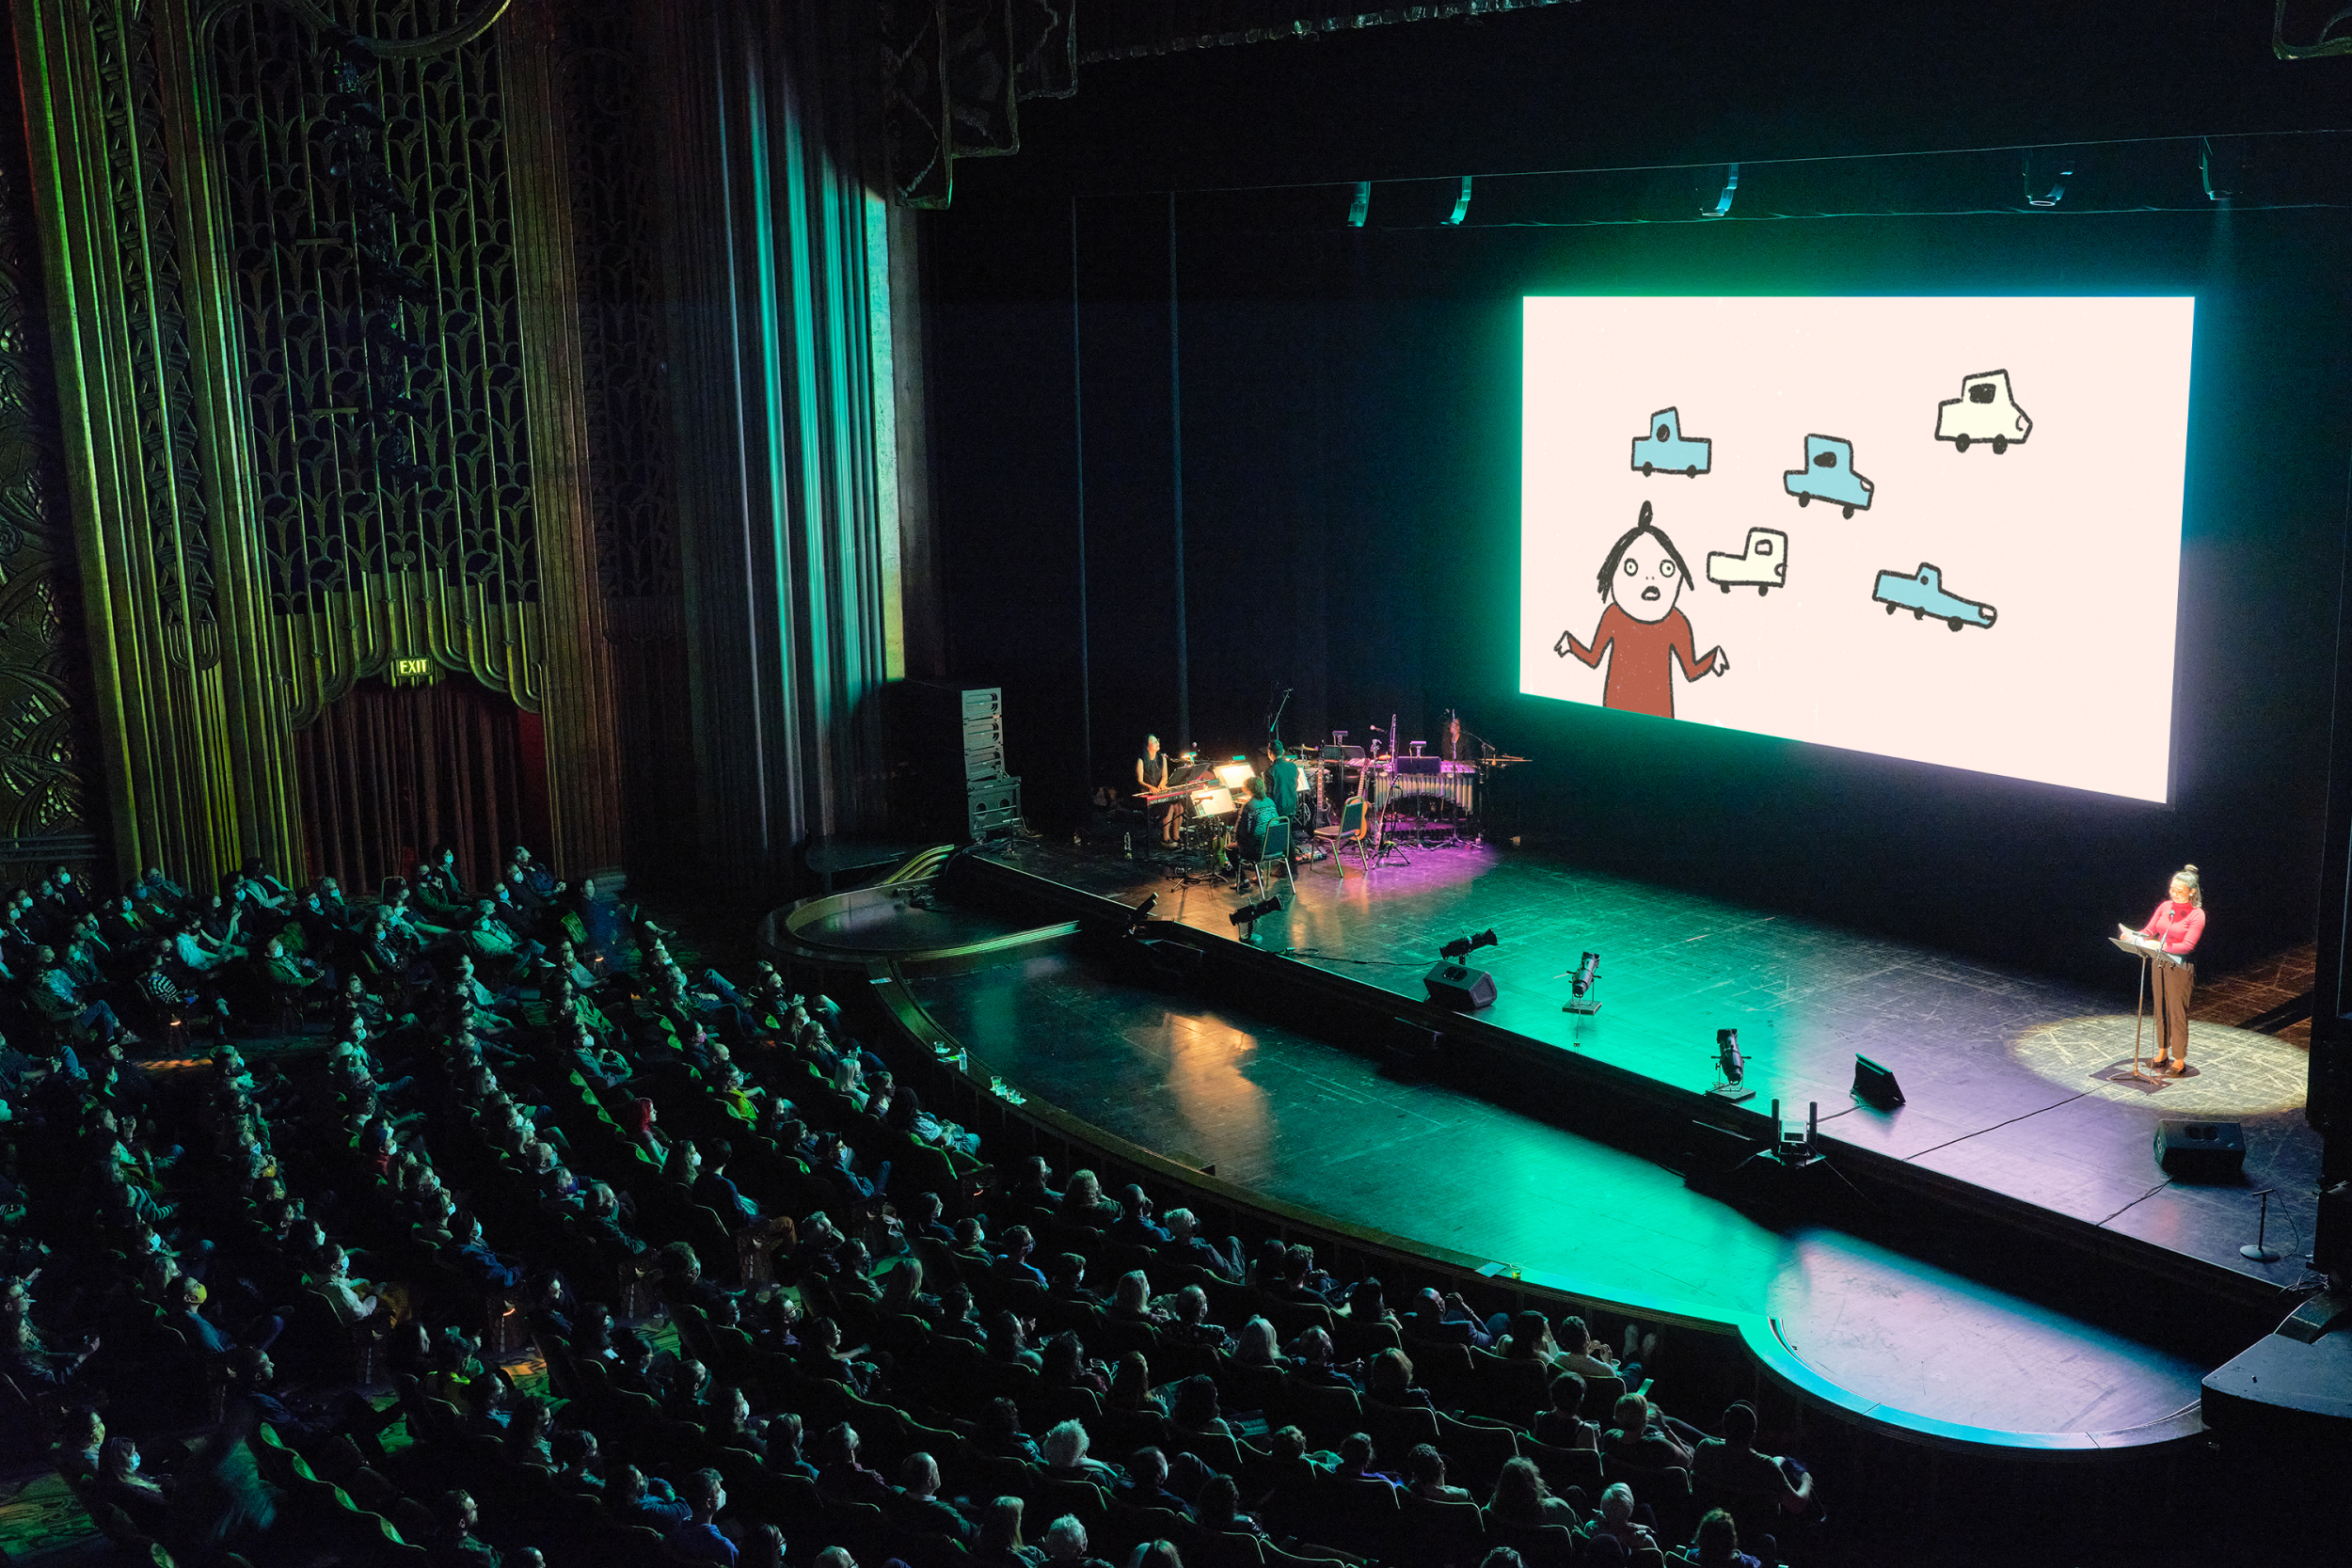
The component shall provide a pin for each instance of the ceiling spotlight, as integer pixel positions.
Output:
(1723, 204)
(2056, 193)
(1581, 997)
(1461, 947)
(1731, 1068)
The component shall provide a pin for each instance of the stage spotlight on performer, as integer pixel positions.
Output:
(1581, 997)
(1731, 1068)
(1461, 947)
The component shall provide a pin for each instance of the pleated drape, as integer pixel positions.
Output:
(391, 773)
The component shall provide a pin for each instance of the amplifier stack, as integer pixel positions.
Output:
(954, 737)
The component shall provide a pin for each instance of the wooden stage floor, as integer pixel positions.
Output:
(2011, 1080)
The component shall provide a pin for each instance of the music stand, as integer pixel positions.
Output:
(2147, 954)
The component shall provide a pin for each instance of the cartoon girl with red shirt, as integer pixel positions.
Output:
(1640, 582)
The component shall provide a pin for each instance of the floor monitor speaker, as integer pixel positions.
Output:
(1874, 1085)
(1463, 989)
(2200, 1150)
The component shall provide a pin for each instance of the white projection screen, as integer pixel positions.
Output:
(1938, 528)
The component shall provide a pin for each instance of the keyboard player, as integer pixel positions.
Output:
(1151, 774)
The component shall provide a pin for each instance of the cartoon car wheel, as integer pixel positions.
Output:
(2000, 445)
(1956, 622)
(1804, 500)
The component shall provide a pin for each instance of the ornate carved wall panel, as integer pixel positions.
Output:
(312, 279)
(49, 810)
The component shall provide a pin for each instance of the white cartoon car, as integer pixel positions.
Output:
(1984, 411)
(1764, 567)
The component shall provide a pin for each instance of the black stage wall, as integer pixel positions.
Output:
(1350, 443)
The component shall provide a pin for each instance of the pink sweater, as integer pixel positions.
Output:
(2177, 925)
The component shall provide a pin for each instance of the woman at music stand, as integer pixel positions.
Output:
(2176, 925)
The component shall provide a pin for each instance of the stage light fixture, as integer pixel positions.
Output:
(1723, 204)
(1461, 947)
(1361, 205)
(1731, 1068)
(2056, 193)
(1250, 914)
(1793, 1147)
(1143, 912)
(1581, 997)
(2215, 190)
(1461, 205)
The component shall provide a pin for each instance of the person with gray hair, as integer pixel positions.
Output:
(1066, 1541)
(1066, 1459)
(1615, 1535)
(1189, 1244)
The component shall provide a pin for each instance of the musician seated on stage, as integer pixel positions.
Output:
(1249, 829)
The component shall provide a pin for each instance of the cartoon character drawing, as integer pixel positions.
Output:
(1640, 621)
(1922, 594)
(1828, 473)
(1763, 565)
(1665, 447)
(1984, 411)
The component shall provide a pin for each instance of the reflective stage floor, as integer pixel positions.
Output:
(2010, 1078)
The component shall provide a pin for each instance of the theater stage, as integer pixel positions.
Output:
(2016, 1118)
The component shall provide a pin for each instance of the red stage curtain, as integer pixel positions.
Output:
(390, 772)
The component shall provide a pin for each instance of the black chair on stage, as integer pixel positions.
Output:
(1275, 852)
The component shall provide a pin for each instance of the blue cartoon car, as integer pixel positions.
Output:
(1665, 447)
(1922, 594)
(1828, 473)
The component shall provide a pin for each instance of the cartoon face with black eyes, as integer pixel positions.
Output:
(1648, 579)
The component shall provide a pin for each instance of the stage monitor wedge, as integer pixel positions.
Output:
(2200, 1150)
(1874, 1083)
(1941, 530)
(1452, 985)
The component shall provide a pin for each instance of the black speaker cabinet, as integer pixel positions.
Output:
(1463, 989)
(2200, 1150)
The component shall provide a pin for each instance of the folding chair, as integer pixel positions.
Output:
(1353, 825)
(1276, 851)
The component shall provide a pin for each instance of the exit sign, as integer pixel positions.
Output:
(414, 669)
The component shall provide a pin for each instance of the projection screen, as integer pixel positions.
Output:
(1944, 530)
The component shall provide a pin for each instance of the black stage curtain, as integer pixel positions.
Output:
(389, 774)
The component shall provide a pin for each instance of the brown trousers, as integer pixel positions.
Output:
(2173, 982)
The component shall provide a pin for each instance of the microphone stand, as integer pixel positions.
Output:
(1385, 851)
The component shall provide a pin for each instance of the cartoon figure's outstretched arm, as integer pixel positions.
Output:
(1568, 644)
(1717, 662)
